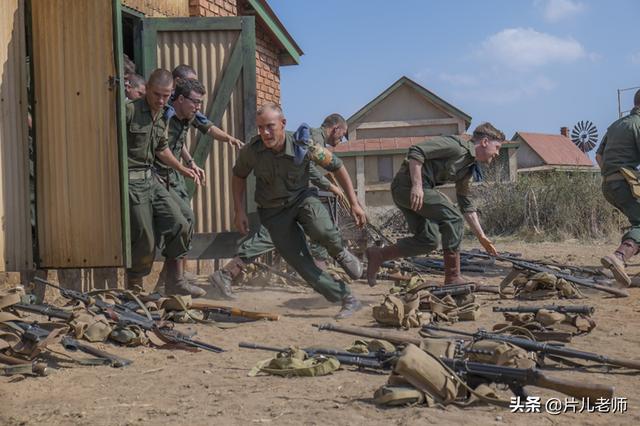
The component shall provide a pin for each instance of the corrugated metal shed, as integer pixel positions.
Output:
(15, 232)
(78, 183)
(208, 52)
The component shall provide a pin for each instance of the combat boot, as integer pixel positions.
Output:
(176, 284)
(133, 284)
(350, 305)
(617, 261)
(452, 274)
(376, 256)
(350, 264)
(222, 279)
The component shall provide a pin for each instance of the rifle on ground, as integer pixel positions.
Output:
(207, 306)
(376, 360)
(49, 311)
(389, 336)
(439, 265)
(125, 317)
(579, 309)
(71, 344)
(520, 265)
(475, 373)
(541, 348)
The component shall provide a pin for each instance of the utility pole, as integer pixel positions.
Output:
(620, 91)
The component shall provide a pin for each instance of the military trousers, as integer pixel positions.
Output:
(437, 219)
(155, 216)
(618, 193)
(260, 243)
(288, 225)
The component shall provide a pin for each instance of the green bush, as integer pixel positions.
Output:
(548, 206)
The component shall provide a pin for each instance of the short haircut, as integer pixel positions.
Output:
(185, 86)
(636, 99)
(269, 106)
(160, 78)
(135, 80)
(334, 120)
(128, 64)
(183, 71)
(487, 130)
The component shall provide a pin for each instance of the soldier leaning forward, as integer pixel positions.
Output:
(289, 208)
(331, 132)
(152, 210)
(619, 158)
(428, 212)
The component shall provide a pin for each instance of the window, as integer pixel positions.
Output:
(385, 169)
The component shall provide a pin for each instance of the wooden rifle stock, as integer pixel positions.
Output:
(234, 312)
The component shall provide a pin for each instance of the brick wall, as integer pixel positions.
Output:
(267, 65)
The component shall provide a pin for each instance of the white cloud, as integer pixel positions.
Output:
(459, 79)
(635, 58)
(522, 48)
(557, 10)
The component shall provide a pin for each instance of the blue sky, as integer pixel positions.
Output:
(530, 65)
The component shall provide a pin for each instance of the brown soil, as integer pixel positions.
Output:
(179, 387)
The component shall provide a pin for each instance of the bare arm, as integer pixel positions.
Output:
(167, 157)
(474, 223)
(239, 190)
(342, 176)
(221, 135)
(188, 160)
(417, 193)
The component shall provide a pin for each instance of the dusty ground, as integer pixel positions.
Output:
(163, 387)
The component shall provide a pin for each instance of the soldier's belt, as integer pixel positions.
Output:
(139, 174)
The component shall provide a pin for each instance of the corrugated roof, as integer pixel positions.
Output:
(383, 144)
(555, 149)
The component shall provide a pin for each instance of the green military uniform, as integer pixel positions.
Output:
(444, 159)
(152, 210)
(261, 243)
(289, 208)
(177, 137)
(620, 148)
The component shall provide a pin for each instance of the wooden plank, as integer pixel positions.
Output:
(249, 97)
(406, 123)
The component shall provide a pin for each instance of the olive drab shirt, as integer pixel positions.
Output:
(177, 137)
(620, 146)
(145, 135)
(444, 159)
(316, 176)
(279, 180)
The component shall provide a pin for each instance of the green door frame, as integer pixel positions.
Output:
(123, 161)
(242, 64)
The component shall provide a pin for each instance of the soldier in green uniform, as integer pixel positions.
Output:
(619, 158)
(182, 115)
(428, 212)
(152, 210)
(289, 207)
(331, 132)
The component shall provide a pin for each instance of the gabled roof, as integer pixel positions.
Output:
(554, 149)
(430, 96)
(383, 144)
(279, 33)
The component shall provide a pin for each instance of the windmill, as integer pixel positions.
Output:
(584, 135)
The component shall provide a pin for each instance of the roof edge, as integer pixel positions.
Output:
(278, 30)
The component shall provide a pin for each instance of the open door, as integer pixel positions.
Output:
(222, 51)
(16, 250)
(82, 207)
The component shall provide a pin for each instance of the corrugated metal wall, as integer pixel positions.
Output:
(78, 185)
(208, 52)
(15, 230)
(157, 8)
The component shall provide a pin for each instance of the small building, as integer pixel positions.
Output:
(381, 132)
(544, 152)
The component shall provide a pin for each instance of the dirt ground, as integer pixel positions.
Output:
(178, 387)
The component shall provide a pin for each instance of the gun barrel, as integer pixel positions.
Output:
(72, 344)
(395, 338)
(46, 310)
(565, 309)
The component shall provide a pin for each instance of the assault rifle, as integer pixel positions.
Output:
(377, 360)
(49, 311)
(541, 348)
(126, 317)
(519, 265)
(71, 344)
(476, 373)
(578, 309)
